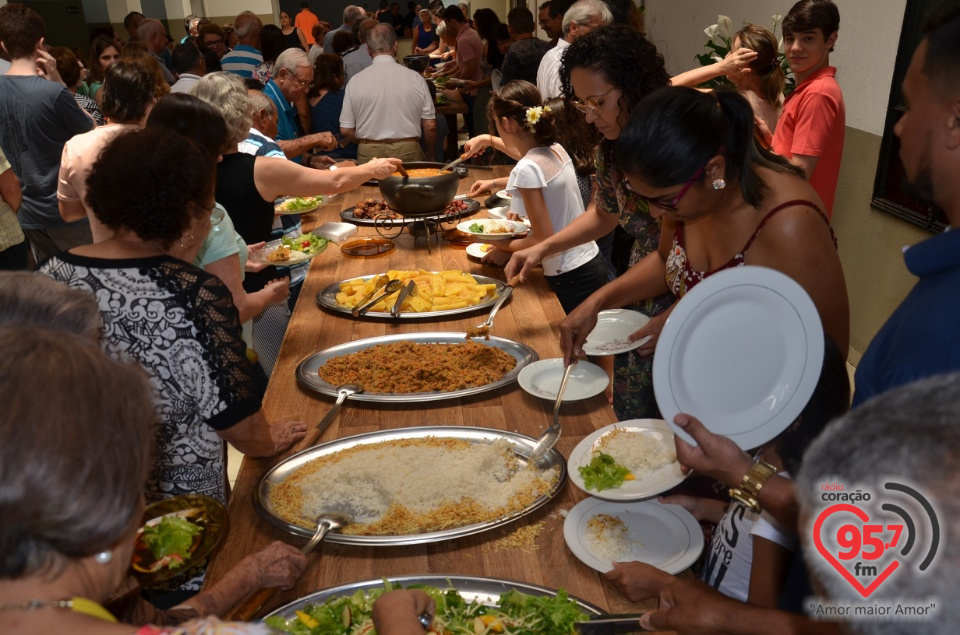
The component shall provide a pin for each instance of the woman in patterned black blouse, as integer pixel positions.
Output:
(179, 322)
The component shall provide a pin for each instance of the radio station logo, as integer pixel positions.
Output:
(869, 536)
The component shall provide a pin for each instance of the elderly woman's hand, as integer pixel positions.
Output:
(285, 434)
(398, 612)
(278, 289)
(279, 565)
(382, 168)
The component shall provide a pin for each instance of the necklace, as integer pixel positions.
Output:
(76, 604)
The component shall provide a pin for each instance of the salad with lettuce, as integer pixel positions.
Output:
(297, 204)
(167, 544)
(603, 472)
(518, 614)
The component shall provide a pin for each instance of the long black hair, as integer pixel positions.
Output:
(675, 131)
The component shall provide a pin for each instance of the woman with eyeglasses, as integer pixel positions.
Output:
(604, 75)
(724, 202)
(179, 322)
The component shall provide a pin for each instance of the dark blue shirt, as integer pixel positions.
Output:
(922, 337)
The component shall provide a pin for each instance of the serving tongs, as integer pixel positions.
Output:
(409, 290)
(326, 522)
(380, 291)
(483, 329)
(551, 435)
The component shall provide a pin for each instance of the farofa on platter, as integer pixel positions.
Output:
(410, 367)
(386, 488)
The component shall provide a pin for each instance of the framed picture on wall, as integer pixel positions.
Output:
(889, 193)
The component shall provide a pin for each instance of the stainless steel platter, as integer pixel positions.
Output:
(522, 446)
(472, 207)
(308, 377)
(484, 590)
(328, 300)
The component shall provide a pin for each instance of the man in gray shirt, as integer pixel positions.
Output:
(351, 14)
(37, 117)
(356, 61)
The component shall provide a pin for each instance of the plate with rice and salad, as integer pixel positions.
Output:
(290, 251)
(627, 461)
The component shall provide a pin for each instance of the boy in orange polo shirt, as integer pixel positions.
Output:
(811, 127)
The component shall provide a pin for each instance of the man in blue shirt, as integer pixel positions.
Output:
(292, 74)
(922, 337)
(246, 55)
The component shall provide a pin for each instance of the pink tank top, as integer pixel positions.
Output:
(681, 277)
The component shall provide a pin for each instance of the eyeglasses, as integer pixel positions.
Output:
(671, 205)
(213, 43)
(591, 104)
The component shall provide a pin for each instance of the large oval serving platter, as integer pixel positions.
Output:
(308, 377)
(328, 300)
(484, 590)
(522, 447)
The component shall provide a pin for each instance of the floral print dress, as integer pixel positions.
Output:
(633, 396)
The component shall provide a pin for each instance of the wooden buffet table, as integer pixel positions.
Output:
(531, 316)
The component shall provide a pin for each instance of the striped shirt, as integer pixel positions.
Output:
(242, 60)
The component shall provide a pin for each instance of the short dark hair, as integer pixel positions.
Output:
(272, 43)
(674, 131)
(453, 12)
(942, 32)
(512, 101)
(186, 57)
(211, 27)
(304, 5)
(193, 118)
(212, 59)
(808, 15)
(554, 9)
(342, 40)
(21, 29)
(75, 495)
(520, 20)
(106, 31)
(67, 65)
(175, 171)
(128, 90)
(129, 18)
(326, 69)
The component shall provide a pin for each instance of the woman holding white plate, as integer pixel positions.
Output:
(723, 203)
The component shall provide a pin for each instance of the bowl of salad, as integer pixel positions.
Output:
(299, 204)
(176, 537)
(291, 250)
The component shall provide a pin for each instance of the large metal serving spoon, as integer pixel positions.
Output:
(326, 522)
(551, 435)
(343, 392)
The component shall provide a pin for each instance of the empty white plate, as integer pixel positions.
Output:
(609, 336)
(542, 379)
(741, 352)
(667, 537)
(477, 250)
(645, 485)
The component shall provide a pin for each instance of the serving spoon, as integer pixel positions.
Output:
(551, 435)
(326, 522)
(483, 329)
(343, 392)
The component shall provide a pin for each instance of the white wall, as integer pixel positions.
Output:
(232, 7)
(865, 53)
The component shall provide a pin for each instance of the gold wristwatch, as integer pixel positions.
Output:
(751, 484)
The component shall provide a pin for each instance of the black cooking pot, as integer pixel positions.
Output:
(420, 196)
(418, 63)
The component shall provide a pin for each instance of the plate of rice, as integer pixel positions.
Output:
(644, 448)
(600, 533)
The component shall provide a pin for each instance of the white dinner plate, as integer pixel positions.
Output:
(742, 352)
(499, 212)
(515, 227)
(503, 194)
(646, 485)
(609, 336)
(542, 379)
(667, 537)
(477, 250)
(312, 203)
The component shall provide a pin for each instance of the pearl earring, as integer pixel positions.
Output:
(719, 184)
(104, 557)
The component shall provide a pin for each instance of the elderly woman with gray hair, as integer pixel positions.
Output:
(248, 185)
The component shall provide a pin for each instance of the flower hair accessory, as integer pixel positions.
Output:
(534, 114)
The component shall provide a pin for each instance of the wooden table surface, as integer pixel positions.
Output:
(531, 316)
